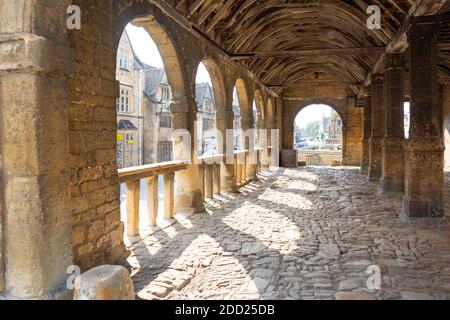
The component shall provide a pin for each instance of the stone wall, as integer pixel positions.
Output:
(97, 229)
(353, 134)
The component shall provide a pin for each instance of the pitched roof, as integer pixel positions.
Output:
(153, 78)
(202, 91)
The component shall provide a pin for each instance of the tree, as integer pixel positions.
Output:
(312, 129)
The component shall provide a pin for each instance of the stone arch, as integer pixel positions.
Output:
(296, 110)
(289, 120)
(259, 100)
(270, 118)
(222, 104)
(92, 91)
(218, 83)
(143, 15)
(246, 114)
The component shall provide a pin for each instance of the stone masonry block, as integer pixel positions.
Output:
(105, 283)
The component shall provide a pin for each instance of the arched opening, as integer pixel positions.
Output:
(206, 111)
(144, 119)
(259, 107)
(407, 118)
(318, 135)
(255, 115)
(237, 121)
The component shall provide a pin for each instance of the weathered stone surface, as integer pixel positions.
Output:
(354, 296)
(271, 243)
(105, 283)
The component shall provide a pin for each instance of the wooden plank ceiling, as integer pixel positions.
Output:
(285, 41)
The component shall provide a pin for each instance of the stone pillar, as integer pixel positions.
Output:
(247, 124)
(393, 168)
(288, 137)
(424, 165)
(35, 61)
(188, 194)
(365, 154)
(377, 127)
(228, 182)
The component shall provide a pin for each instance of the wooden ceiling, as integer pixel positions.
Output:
(283, 41)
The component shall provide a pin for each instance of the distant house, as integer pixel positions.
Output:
(144, 121)
(158, 130)
(335, 129)
(129, 75)
(206, 118)
(237, 122)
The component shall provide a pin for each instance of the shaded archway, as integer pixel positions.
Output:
(205, 96)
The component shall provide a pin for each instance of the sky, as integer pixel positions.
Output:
(312, 113)
(148, 52)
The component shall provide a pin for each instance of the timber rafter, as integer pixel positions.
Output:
(281, 40)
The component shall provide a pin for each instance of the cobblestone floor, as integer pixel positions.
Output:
(306, 233)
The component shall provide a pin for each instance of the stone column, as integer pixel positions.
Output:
(35, 61)
(188, 195)
(365, 154)
(225, 120)
(377, 127)
(393, 168)
(288, 137)
(424, 165)
(246, 124)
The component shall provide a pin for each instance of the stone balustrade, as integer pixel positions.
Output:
(132, 178)
(210, 175)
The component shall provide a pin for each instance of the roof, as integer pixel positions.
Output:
(126, 125)
(153, 78)
(287, 42)
(203, 91)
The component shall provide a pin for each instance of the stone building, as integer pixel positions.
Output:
(334, 129)
(144, 120)
(237, 122)
(129, 104)
(294, 233)
(157, 126)
(206, 117)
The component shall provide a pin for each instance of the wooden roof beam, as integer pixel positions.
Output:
(309, 52)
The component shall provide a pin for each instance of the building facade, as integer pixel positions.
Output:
(129, 111)
(334, 129)
(144, 121)
(206, 119)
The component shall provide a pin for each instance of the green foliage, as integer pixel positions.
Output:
(312, 129)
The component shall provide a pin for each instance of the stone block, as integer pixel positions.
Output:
(105, 283)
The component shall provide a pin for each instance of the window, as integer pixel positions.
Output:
(124, 105)
(165, 121)
(208, 124)
(164, 151)
(123, 60)
(165, 93)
